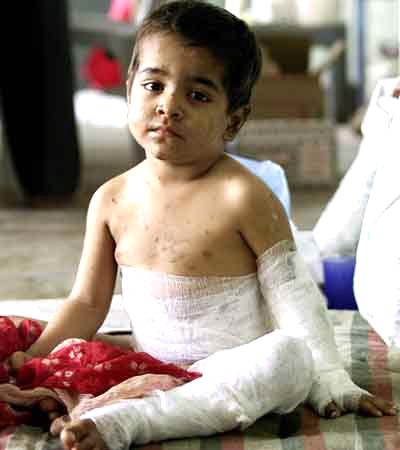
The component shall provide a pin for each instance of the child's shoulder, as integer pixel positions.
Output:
(261, 217)
(113, 190)
(240, 179)
(245, 191)
(111, 187)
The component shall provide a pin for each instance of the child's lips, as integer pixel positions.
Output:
(163, 130)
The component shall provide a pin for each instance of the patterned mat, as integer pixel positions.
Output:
(366, 358)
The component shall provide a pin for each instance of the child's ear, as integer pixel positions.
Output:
(235, 122)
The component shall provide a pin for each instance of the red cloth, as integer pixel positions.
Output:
(101, 70)
(14, 338)
(82, 367)
(92, 368)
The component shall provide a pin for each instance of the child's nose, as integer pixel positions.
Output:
(170, 106)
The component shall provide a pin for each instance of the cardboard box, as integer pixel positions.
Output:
(287, 87)
(305, 148)
(297, 96)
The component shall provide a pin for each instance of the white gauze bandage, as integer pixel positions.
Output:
(297, 306)
(239, 385)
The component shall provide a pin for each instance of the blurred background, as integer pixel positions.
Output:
(63, 114)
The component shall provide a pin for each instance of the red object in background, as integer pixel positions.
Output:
(121, 10)
(101, 70)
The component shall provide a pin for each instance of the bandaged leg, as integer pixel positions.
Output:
(274, 373)
(298, 308)
(338, 228)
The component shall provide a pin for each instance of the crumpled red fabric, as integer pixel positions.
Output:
(14, 338)
(102, 70)
(81, 367)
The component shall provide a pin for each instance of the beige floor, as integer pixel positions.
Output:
(39, 250)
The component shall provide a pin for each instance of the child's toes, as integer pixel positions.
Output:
(68, 439)
(332, 410)
(74, 432)
(82, 435)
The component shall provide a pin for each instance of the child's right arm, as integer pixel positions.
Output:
(85, 309)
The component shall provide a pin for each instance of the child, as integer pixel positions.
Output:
(211, 277)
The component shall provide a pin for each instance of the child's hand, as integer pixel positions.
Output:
(48, 405)
(376, 406)
(334, 393)
(368, 406)
(52, 408)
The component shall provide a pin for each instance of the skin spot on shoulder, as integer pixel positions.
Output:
(114, 200)
(206, 254)
(156, 239)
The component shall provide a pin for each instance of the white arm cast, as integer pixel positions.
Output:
(297, 306)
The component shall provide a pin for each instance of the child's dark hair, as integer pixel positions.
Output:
(228, 38)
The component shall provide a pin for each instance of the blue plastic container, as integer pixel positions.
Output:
(338, 282)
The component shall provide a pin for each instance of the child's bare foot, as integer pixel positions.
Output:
(82, 435)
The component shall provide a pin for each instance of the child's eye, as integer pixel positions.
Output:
(199, 96)
(153, 86)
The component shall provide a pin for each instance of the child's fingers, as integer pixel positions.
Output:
(388, 408)
(368, 408)
(375, 406)
(59, 424)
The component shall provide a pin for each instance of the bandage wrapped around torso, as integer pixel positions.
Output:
(297, 306)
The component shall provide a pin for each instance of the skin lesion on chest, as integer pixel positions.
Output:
(178, 251)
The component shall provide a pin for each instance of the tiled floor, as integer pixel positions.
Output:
(40, 249)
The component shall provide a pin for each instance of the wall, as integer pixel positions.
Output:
(79, 52)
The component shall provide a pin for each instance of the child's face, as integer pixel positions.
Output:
(178, 107)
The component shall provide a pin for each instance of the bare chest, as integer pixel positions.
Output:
(191, 239)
